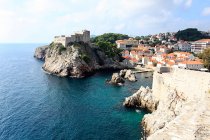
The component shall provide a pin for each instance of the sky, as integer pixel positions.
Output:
(40, 20)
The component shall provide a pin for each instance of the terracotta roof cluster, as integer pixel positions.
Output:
(196, 62)
(203, 41)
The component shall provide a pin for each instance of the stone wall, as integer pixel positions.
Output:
(184, 106)
(194, 84)
(77, 37)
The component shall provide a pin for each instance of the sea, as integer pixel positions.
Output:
(35, 105)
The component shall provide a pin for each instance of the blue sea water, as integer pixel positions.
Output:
(38, 106)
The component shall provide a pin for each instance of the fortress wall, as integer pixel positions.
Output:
(194, 84)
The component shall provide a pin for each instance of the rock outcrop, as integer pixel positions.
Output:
(122, 73)
(142, 99)
(129, 75)
(166, 111)
(183, 109)
(77, 60)
(40, 52)
(116, 79)
(132, 77)
(119, 78)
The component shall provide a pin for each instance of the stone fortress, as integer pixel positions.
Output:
(82, 36)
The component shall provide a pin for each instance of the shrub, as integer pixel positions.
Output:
(61, 49)
(52, 45)
(154, 64)
(85, 58)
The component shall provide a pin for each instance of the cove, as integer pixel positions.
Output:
(36, 105)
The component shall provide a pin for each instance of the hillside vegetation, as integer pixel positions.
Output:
(190, 34)
(106, 42)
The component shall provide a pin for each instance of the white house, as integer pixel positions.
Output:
(200, 45)
(145, 60)
(184, 46)
(127, 43)
(192, 65)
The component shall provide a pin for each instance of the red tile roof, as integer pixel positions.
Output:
(192, 62)
(203, 40)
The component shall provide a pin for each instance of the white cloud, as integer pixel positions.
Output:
(177, 1)
(186, 3)
(40, 20)
(206, 11)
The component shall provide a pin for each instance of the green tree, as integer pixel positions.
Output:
(109, 37)
(106, 42)
(138, 38)
(109, 49)
(190, 34)
(206, 58)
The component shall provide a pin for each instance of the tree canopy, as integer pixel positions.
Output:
(106, 42)
(190, 34)
(205, 56)
(109, 37)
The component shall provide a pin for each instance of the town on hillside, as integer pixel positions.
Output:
(180, 50)
(168, 52)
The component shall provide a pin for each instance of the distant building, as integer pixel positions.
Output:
(127, 43)
(182, 46)
(83, 36)
(162, 49)
(200, 45)
(192, 65)
(145, 60)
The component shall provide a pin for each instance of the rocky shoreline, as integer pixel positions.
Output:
(119, 78)
(179, 105)
(77, 60)
(142, 99)
(40, 52)
(176, 111)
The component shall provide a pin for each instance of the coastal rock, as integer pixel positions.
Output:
(129, 75)
(183, 110)
(40, 52)
(116, 79)
(166, 111)
(142, 99)
(122, 73)
(132, 77)
(76, 60)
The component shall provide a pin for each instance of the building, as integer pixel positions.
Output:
(83, 36)
(200, 45)
(182, 46)
(162, 49)
(127, 43)
(192, 65)
(145, 60)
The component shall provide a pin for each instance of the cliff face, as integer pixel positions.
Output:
(183, 111)
(77, 60)
(142, 99)
(40, 52)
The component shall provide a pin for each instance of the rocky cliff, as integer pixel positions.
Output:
(76, 60)
(142, 99)
(40, 52)
(183, 110)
